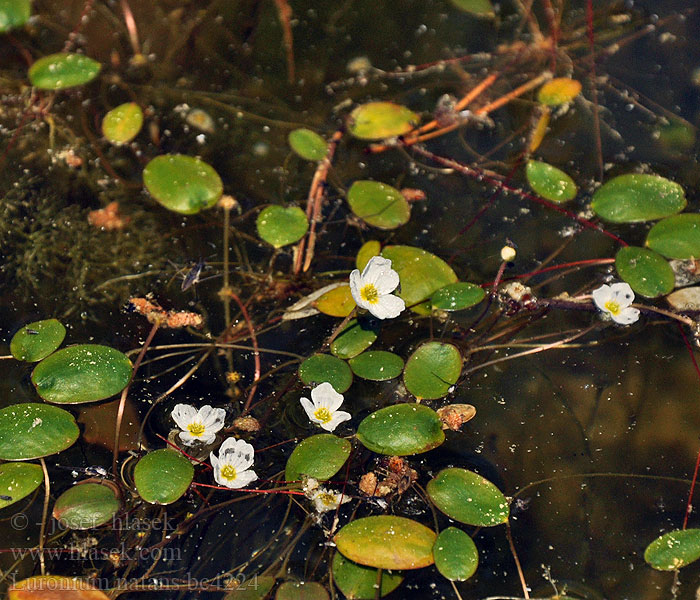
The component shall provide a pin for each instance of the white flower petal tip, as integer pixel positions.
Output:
(232, 466)
(615, 302)
(325, 500)
(372, 289)
(198, 425)
(323, 407)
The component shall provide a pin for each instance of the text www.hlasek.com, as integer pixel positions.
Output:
(124, 554)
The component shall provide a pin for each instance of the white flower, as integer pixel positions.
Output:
(325, 499)
(615, 301)
(372, 289)
(324, 409)
(231, 468)
(201, 424)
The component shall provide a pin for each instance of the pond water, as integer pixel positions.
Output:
(592, 433)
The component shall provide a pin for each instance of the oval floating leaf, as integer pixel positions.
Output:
(401, 430)
(183, 184)
(378, 120)
(387, 542)
(457, 296)
(303, 590)
(377, 365)
(324, 367)
(17, 481)
(337, 302)
(676, 237)
(63, 70)
(30, 431)
(379, 204)
(674, 550)
(456, 556)
(37, 340)
(307, 144)
(647, 272)
(82, 373)
(356, 337)
(281, 226)
(480, 8)
(14, 13)
(559, 91)
(46, 587)
(421, 273)
(368, 250)
(687, 299)
(123, 123)
(636, 197)
(432, 370)
(358, 582)
(256, 588)
(86, 506)
(163, 476)
(468, 498)
(549, 182)
(319, 456)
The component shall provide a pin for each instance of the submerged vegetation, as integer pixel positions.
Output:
(319, 315)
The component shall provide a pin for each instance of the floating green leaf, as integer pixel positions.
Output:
(86, 506)
(432, 370)
(356, 337)
(480, 8)
(163, 476)
(303, 590)
(337, 302)
(676, 237)
(457, 296)
(123, 123)
(387, 542)
(401, 430)
(255, 588)
(368, 250)
(63, 70)
(676, 135)
(377, 365)
(358, 582)
(82, 373)
(14, 13)
(319, 456)
(468, 498)
(46, 587)
(30, 431)
(421, 273)
(559, 91)
(37, 340)
(456, 556)
(647, 272)
(183, 184)
(379, 120)
(549, 182)
(17, 481)
(378, 204)
(281, 226)
(324, 367)
(674, 550)
(638, 197)
(307, 144)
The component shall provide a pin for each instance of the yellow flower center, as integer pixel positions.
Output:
(228, 473)
(196, 429)
(323, 414)
(327, 499)
(613, 307)
(369, 294)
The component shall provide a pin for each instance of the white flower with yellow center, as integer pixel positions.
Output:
(323, 407)
(232, 466)
(325, 499)
(372, 288)
(198, 425)
(614, 300)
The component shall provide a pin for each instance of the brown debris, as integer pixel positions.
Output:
(246, 424)
(108, 218)
(156, 314)
(453, 416)
(413, 194)
(398, 478)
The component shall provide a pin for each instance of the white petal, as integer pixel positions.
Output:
(214, 460)
(626, 316)
(388, 282)
(337, 418)
(207, 437)
(376, 270)
(622, 294)
(183, 415)
(601, 295)
(240, 454)
(388, 307)
(325, 395)
(309, 408)
(244, 478)
(356, 284)
(229, 444)
(187, 438)
(212, 418)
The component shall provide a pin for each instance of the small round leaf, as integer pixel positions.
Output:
(559, 91)
(636, 197)
(63, 70)
(387, 542)
(307, 144)
(86, 506)
(17, 481)
(182, 183)
(432, 370)
(281, 226)
(319, 456)
(378, 120)
(123, 123)
(456, 556)
(468, 498)
(479, 8)
(356, 337)
(302, 590)
(82, 373)
(676, 237)
(674, 550)
(14, 13)
(358, 582)
(30, 431)
(647, 272)
(549, 182)
(377, 365)
(45, 587)
(457, 296)
(324, 367)
(37, 340)
(256, 588)
(337, 302)
(163, 476)
(401, 430)
(379, 204)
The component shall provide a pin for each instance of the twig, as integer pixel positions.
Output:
(45, 514)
